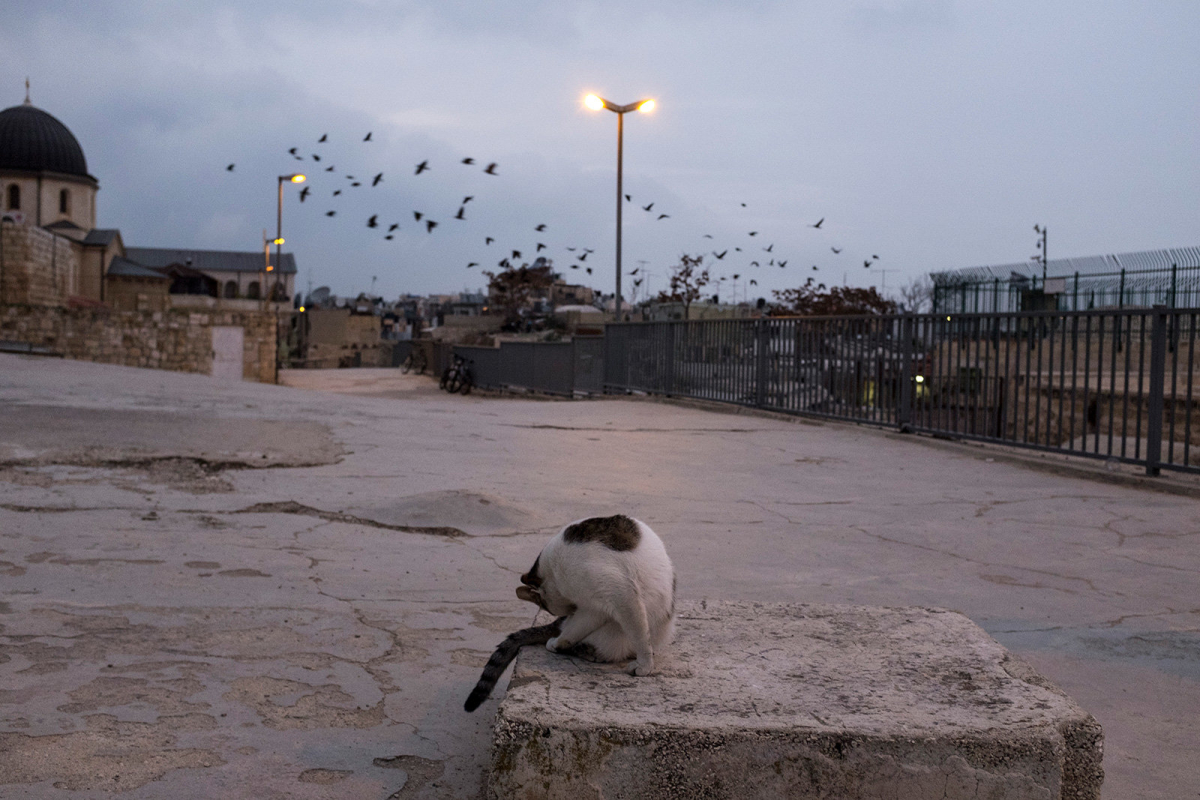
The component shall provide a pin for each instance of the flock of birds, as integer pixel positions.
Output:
(511, 257)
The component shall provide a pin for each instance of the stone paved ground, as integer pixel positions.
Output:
(216, 589)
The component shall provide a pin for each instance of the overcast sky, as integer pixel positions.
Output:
(932, 134)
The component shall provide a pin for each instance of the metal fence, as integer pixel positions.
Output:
(563, 368)
(1111, 384)
(1129, 280)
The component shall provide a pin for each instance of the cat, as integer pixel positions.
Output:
(611, 585)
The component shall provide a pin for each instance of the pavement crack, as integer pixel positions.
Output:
(292, 507)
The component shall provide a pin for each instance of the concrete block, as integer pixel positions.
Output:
(797, 701)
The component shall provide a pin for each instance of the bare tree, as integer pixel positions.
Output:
(688, 279)
(917, 295)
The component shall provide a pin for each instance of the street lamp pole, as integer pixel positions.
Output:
(296, 178)
(595, 102)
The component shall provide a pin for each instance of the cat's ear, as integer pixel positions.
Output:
(529, 595)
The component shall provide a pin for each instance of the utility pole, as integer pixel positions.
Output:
(1041, 245)
(884, 273)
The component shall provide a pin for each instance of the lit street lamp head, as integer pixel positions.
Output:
(297, 178)
(596, 102)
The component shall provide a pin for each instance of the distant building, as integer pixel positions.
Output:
(52, 254)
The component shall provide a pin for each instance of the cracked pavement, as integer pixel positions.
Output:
(238, 590)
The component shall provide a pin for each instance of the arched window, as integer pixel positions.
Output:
(230, 290)
(14, 197)
(252, 290)
(64, 201)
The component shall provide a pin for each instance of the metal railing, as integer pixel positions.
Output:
(1110, 384)
(564, 368)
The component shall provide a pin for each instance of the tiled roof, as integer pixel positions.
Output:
(101, 236)
(128, 269)
(208, 260)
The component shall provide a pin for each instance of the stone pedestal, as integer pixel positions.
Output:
(797, 701)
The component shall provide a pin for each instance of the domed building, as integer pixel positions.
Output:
(52, 253)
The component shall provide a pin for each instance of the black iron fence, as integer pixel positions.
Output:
(1111, 384)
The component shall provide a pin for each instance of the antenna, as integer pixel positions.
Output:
(27, 91)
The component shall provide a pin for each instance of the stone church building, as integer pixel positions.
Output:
(52, 253)
(70, 289)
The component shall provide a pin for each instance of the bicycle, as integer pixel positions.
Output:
(416, 359)
(457, 377)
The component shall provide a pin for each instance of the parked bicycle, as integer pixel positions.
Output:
(457, 377)
(416, 359)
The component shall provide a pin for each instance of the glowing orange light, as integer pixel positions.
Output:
(593, 102)
(299, 179)
(647, 106)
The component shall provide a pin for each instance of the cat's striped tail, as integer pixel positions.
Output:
(504, 655)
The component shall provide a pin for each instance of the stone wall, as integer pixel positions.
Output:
(175, 340)
(37, 267)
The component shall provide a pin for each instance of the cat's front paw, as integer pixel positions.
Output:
(552, 645)
(641, 668)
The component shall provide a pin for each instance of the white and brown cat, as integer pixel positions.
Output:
(611, 585)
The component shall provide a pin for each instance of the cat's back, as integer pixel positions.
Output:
(618, 542)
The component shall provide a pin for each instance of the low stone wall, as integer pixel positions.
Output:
(177, 340)
(36, 266)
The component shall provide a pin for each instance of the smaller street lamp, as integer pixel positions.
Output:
(295, 178)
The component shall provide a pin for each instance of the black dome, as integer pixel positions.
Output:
(33, 141)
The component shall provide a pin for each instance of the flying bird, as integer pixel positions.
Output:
(430, 225)
(588, 270)
(336, 192)
(367, 138)
(818, 223)
(874, 258)
(628, 199)
(393, 226)
(540, 247)
(460, 214)
(372, 223)
(835, 250)
(754, 233)
(491, 168)
(540, 228)
(635, 272)
(349, 177)
(782, 264)
(867, 264)
(468, 199)
(304, 193)
(736, 276)
(316, 157)
(743, 205)
(571, 249)
(814, 269)
(664, 216)
(473, 264)
(229, 168)
(488, 240)
(329, 168)
(356, 183)
(753, 282)
(417, 215)
(424, 165)
(324, 136)
(638, 282)
(292, 150)
(769, 249)
(755, 264)
(720, 255)
(583, 257)
(647, 208)
(389, 237)
(574, 266)
(708, 236)
(468, 160)
(330, 213)
(375, 181)
(516, 254)
(588, 250)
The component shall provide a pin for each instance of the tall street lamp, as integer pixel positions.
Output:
(296, 178)
(595, 103)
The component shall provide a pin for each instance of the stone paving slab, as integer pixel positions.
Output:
(801, 701)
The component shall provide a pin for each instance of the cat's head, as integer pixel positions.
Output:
(530, 589)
